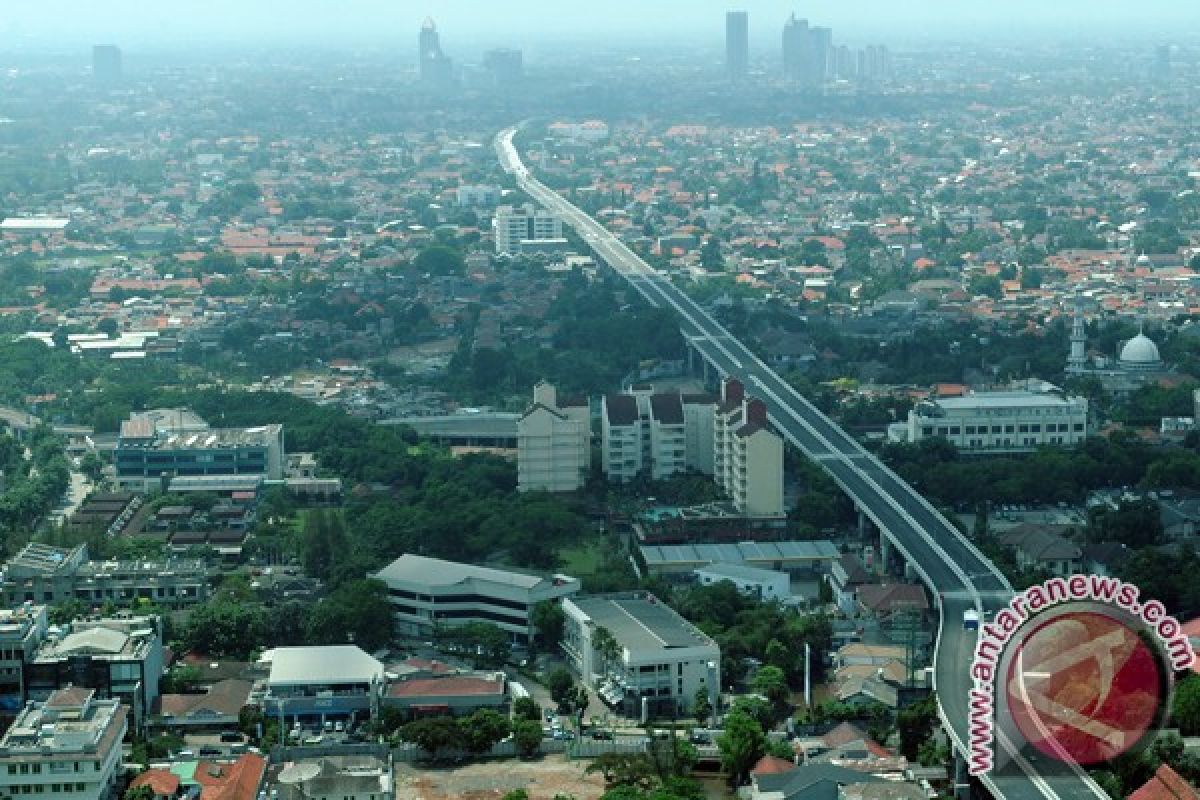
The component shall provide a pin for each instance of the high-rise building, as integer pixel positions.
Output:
(795, 48)
(1162, 61)
(504, 65)
(553, 443)
(737, 44)
(435, 67)
(747, 454)
(106, 64)
(820, 56)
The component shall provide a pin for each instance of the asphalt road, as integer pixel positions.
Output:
(946, 561)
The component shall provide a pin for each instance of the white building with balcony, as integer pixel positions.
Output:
(655, 434)
(515, 225)
(747, 454)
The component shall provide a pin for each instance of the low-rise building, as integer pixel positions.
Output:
(52, 575)
(658, 660)
(116, 657)
(764, 584)
(451, 694)
(22, 630)
(1039, 549)
(804, 557)
(67, 746)
(357, 777)
(429, 593)
(152, 448)
(315, 684)
(998, 422)
(218, 709)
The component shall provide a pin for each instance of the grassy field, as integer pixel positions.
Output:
(581, 559)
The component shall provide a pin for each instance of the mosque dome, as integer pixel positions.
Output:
(1141, 353)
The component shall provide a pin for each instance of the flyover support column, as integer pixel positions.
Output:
(962, 781)
(885, 553)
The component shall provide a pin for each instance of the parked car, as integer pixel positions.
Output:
(602, 735)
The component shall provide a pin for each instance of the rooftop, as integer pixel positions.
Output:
(446, 687)
(738, 553)
(641, 622)
(300, 666)
(741, 572)
(1017, 399)
(70, 721)
(410, 568)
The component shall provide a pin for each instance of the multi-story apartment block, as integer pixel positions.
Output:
(120, 657)
(428, 593)
(747, 454)
(553, 443)
(655, 434)
(998, 422)
(660, 660)
(153, 447)
(514, 225)
(67, 746)
(51, 575)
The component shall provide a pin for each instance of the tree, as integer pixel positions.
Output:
(606, 646)
(357, 612)
(757, 709)
(143, 792)
(915, 724)
(528, 737)
(702, 706)
(432, 734)
(771, 683)
(67, 611)
(482, 730)
(559, 681)
(1185, 708)
(439, 259)
(92, 466)
(524, 708)
(548, 620)
(742, 744)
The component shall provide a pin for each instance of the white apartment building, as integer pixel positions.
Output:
(553, 443)
(68, 746)
(428, 594)
(662, 660)
(998, 422)
(655, 434)
(514, 225)
(747, 455)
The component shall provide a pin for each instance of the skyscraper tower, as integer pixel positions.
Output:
(1077, 359)
(435, 67)
(737, 44)
(795, 48)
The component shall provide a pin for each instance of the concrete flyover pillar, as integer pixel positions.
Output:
(885, 553)
(962, 781)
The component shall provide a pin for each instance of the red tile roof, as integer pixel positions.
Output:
(160, 781)
(442, 687)
(1165, 785)
(770, 765)
(236, 781)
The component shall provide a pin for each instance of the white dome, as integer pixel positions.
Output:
(1140, 351)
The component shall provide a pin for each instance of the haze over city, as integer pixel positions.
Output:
(652, 400)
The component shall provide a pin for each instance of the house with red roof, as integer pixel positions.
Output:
(1166, 784)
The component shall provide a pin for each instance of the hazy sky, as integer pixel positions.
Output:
(523, 22)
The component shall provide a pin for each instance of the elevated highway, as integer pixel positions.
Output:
(957, 574)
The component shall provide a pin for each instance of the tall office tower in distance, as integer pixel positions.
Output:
(106, 64)
(795, 48)
(435, 67)
(820, 56)
(737, 44)
(504, 66)
(1162, 62)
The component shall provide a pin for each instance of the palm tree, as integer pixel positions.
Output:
(605, 645)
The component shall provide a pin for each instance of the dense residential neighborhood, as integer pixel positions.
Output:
(336, 463)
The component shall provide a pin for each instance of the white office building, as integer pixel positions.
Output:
(316, 684)
(998, 422)
(747, 454)
(553, 443)
(764, 584)
(661, 659)
(68, 746)
(515, 225)
(428, 594)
